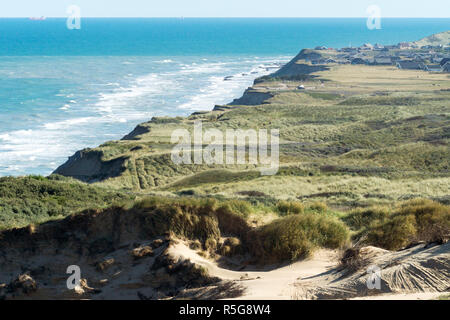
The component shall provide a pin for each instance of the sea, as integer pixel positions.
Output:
(62, 90)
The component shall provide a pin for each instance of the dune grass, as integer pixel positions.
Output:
(361, 218)
(36, 199)
(290, 238)
(290, 207)
(297, 236)
(406, 223)
(301, 226)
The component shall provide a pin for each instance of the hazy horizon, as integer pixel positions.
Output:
(184, 17)
(229, 9)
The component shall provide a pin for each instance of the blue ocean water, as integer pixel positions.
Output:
(62, 90)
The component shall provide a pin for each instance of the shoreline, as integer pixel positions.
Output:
(34, 161)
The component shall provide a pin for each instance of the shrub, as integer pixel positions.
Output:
(196, 245)
(412, 221)
(211, 244)
(231, 246)
(394, 234)
(318, 206)
(296, 236)
(432, 219)
(290, 207)
(231, 223)
(364, 217)
(225, 250)
(240, 207)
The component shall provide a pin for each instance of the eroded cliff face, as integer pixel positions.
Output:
(88, 166)
(298, 68)
(139, 130)
(252, 97)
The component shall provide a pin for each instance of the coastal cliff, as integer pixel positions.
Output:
(88, 166)
(336, 119)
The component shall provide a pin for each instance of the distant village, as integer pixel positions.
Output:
(404, 55)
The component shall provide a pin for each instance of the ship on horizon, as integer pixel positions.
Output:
(42, 18)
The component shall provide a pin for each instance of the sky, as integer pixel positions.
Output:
(225, 8)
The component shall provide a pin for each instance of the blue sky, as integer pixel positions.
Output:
(225, 8)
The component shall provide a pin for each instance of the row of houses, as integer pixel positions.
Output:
(387, 61)
(376, 47)
(377, 60)
(404, 55)
(401, 45)
(406, 64)
(401, 49)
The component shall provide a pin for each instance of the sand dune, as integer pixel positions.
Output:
(419, 272)
(266, 284)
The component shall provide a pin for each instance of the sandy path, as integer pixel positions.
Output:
(420, 269)
(263, 285)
